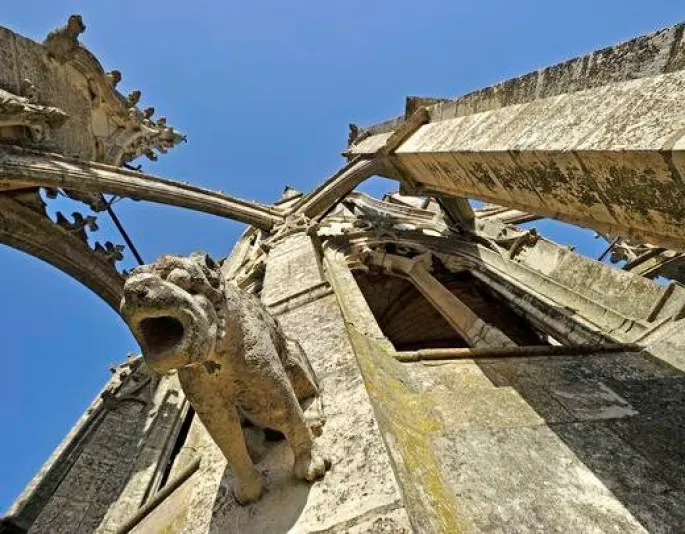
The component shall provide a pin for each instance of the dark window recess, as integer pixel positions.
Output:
(15, 134)
(178, 445)
(489, 306)
(404, 315)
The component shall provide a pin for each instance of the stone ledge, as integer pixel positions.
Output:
(294, 301)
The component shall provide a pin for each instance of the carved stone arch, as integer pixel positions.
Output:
(355, 245)
(25, 227)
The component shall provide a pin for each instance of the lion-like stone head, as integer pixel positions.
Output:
(173, 307)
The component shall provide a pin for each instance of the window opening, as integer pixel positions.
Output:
(180, 441)
(491, 307)
(404, 315)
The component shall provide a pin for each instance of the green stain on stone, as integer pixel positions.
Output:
(407, 420)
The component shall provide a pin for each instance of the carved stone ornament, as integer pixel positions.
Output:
(232, 358)
(628, 250)
(63, 42)
(21, 111)
(121, 131)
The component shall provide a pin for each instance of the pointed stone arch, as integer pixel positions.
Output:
(25, 226)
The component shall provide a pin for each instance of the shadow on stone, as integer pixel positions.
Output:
(280, 506)
(621, 416)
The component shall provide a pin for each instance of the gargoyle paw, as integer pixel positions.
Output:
(311, 466)
(249, 491)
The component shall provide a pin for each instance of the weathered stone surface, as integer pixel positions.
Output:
(510, 440)
(589, 443)
(21, 168)
(594, 141)
(292, 269)
(593, 158)
(96, 476)
(170, 515)
(526, 479)
(636, 479)
(102, 125)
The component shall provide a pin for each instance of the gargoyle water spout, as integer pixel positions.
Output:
(232, 359)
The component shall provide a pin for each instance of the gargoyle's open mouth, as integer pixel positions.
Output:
(160, 334)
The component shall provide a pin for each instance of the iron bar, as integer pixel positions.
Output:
(123, 232)
(511, 352)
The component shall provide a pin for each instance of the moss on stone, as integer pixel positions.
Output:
(407, 421)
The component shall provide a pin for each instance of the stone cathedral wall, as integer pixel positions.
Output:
(509, 441)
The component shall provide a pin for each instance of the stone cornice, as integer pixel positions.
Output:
(23, 112)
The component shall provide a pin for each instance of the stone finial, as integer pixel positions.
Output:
(62, 42)
(75, 26)
(135, 117)
(170, 137)
(132, 99)
(186, 317)
(356, 135)
(353, 135)
(289, 193)
(113, 77)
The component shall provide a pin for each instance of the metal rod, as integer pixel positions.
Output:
(608, 249)
(123, 233)
(511, 352)
(158, 497)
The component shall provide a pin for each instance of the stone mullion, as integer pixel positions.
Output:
(472, 328)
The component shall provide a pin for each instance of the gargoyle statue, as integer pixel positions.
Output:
(232, 359)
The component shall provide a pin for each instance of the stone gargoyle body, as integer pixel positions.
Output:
(232, 358)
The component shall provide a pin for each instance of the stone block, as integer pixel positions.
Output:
(527, 480)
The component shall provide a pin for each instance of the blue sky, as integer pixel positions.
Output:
(264, 91)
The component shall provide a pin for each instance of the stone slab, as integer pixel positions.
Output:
(527, 480)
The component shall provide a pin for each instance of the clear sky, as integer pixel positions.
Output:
(264, 91)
